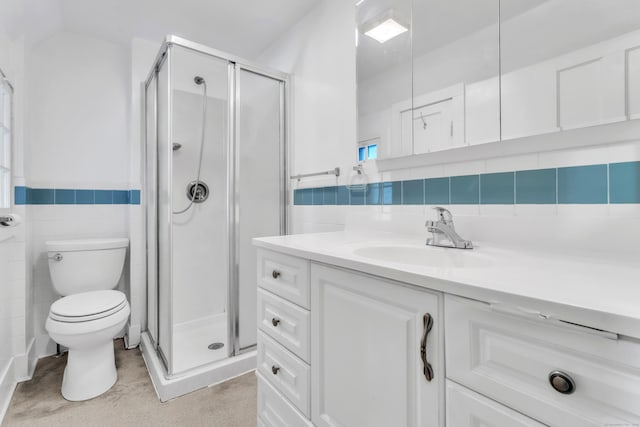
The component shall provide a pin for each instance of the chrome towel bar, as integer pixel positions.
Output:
(335, 172)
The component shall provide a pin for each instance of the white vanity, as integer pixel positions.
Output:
(379, 330)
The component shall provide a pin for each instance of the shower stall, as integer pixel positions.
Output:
(215, 178)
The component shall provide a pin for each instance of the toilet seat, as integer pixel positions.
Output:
(87, 306)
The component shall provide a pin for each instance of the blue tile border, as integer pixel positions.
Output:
(67, 196)
(613, 183)
(624, 182)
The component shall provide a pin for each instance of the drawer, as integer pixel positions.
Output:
(509, 357)
(285, 276)
(466, 408)
(288, 374)
(274, 410)
(285, 322)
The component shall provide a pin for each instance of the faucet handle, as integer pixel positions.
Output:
(443, 214)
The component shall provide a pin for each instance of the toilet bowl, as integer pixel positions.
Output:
(90, 315)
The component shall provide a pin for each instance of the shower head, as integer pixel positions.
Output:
(199, 80)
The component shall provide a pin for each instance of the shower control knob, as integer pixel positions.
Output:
(562, 382)
(275, 369)
(275, 274)
(275, 321)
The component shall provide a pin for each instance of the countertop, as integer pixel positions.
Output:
(598, 290)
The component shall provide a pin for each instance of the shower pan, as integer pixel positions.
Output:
(215, 178)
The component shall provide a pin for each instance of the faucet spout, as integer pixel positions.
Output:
(444, 233)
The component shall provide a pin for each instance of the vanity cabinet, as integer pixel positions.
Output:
(366, 366)
(339, 347)
(350, 356)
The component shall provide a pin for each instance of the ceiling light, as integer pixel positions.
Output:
(386, 30)
(385, 26)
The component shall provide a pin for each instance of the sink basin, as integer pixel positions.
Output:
(425, 256)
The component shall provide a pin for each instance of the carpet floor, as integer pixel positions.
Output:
(132, 401)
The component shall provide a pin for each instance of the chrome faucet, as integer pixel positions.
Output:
(443, 232)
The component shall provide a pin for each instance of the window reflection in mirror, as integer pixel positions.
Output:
(568, 64)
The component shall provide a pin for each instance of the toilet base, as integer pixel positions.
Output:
(89, 372)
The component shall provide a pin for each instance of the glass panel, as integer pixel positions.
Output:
(384, 75)
(259, 187)
(564, 70)
(164, 212)
(152, 207)
(373, 152)
(362, 154)
(200, 237)
(456, 69)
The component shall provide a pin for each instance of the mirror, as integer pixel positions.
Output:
(384, 75)
(458, 73)
(433, 87)
(568, 64)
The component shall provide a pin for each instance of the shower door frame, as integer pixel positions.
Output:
(235, 66)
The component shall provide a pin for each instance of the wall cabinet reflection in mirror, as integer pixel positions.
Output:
(568, 64)
(469, 72)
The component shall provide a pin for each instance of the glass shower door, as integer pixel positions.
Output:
(260, 191)
(199, 313)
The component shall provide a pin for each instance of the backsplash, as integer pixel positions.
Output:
(616, 183)
(65, 196)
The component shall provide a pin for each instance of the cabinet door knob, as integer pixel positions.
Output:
(275, 274)
(275, 369)
(562, 382)
(275, 321)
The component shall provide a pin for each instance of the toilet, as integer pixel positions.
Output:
(90, 313)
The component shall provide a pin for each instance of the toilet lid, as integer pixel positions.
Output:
(87, 306)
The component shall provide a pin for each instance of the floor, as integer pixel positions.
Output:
(191, 342)
(132, 401)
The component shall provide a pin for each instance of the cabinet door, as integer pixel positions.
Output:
(366, 367)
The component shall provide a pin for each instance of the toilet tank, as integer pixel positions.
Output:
(85, 265)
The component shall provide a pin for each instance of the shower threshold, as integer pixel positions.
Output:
(201, 377)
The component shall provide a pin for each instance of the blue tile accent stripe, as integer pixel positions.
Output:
(66, 196)
(590, 184)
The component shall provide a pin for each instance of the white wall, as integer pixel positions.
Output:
(78, 89)
(77, 136)
(319, 53)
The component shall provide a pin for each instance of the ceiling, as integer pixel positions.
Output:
(242, 27)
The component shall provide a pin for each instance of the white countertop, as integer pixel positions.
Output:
(593, 289)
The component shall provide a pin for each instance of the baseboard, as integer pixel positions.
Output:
(45, 346)
(132, 336)
(25, 364)
(7, 387)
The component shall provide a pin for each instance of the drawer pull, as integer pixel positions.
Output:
(562, 382)
(427, 322)
(275, 369)
(275, 274)
(275, 322)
